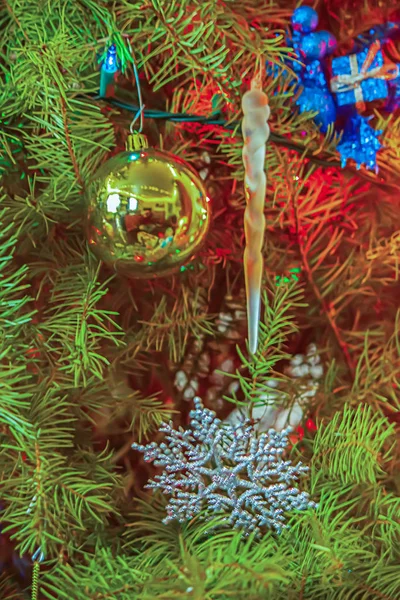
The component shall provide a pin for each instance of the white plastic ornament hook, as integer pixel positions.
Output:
(140, 112)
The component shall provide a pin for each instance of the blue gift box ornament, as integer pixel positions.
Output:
(360, 142)
(362, 77)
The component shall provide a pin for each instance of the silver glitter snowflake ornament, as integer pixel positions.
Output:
(226, 469)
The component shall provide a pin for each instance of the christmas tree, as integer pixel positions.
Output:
(152, 444)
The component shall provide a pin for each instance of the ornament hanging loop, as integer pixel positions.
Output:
(139, 92)
(136, 140)
(135, 118)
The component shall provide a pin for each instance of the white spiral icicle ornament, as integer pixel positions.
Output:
(255, 132)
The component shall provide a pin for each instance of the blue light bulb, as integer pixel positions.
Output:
(111, 61)
(108, 69)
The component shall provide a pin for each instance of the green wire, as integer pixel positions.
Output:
(35, 580)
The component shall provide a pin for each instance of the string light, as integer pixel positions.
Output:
(111, 62)
(109, 67)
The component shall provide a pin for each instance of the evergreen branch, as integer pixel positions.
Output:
(304, 243)
(14, 316)
(8, 587)
(174, 324)
(205, 569)
(382, 580)
(383, 253)
(12, 285)
(14, 18)
(352, 446)
(102, 575)
(330, 542)
(15, 395)
(28, 213)
(127, 411)
(276, 327)
(148, 414)
(48, 498)
(383, 513)
(73, 327)
(145, 526)
(209, 51)
(88, 137)
(69, 144)
(10, 145)
(376, 378)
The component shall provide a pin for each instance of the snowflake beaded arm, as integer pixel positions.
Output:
(227, 470)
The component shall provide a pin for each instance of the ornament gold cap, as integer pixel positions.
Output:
(136, 141)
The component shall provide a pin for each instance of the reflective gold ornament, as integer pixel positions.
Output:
(148, 213)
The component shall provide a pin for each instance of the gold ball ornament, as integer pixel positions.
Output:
(148, 213)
